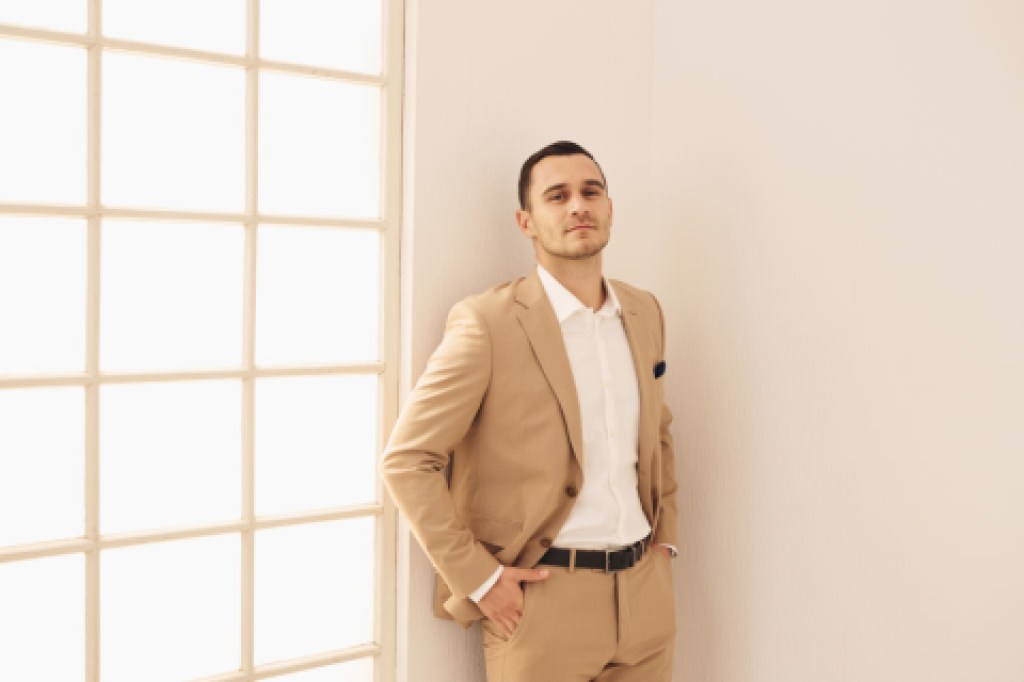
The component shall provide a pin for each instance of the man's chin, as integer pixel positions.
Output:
(588, 252)
(579, 252)
(575, 254)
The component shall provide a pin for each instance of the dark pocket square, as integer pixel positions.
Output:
(659, 369)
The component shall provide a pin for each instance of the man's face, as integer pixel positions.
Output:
(569, 214)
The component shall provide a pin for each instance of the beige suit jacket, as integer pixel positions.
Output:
(497, 402)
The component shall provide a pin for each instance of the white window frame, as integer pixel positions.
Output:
(92, 544)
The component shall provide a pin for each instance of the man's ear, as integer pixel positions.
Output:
(611, 212)
(524, 221)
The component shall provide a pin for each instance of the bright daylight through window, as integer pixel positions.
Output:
(198, 307)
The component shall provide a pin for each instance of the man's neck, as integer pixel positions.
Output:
(583, 278)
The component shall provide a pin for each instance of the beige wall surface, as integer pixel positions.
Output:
(825, 198)
(839, 186)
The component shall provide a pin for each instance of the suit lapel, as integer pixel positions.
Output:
(643, 366)
(538, 320)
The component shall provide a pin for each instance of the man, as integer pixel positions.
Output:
(556, 519)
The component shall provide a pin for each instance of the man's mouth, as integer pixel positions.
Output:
(581, 227)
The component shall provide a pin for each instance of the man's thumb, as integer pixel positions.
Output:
(532, 574)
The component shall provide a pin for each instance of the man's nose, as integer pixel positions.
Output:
(576, 205)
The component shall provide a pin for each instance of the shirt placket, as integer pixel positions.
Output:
(611, 432)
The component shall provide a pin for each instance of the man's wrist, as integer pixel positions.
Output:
(481, 592)
(671, 549)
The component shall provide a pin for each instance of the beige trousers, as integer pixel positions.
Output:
(584, 625)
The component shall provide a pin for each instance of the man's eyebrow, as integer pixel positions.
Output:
(563, 185)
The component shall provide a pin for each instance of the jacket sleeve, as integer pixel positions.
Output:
(436, 417)
(668, 519)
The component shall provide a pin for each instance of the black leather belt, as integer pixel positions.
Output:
(609, 561)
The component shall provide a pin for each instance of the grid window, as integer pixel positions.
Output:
(42, 122)
(42, 479)
(43, 610)
(171, 134)
(198, 308)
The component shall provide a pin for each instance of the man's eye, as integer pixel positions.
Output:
(557, 197)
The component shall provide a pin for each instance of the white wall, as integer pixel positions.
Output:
(840, 188)
(823, 199)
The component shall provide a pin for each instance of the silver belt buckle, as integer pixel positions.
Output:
(607, 563)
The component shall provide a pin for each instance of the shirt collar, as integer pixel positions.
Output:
(565, 302)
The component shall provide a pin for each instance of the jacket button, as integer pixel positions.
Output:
(571, 491)
(545, 542)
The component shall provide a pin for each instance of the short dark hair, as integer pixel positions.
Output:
(560, 148)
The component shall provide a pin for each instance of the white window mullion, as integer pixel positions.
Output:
(84, 211)
(391, 174)
(83, 379)
(92, 388)
(38, 550)
(205, 56)
(252, 36)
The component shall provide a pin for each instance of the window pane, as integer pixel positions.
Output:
(171, 296)
(317, 297)
(352, 671)
(173, 134)
(340, 35)
(41, 465)
(42, 616)
(314, 588)
(169, 454)
(200, 24)
(319, 147)
(57, 15)
(170, 611)
(42, 123)
(44, 332)
(315, 442)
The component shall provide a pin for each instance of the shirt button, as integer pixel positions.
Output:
(571, 491)
(545, 542)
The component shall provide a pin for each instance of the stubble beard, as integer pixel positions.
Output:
(590, 250)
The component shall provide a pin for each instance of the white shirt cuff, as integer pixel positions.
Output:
(482, 591)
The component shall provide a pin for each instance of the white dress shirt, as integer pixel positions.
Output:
(607, 513)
